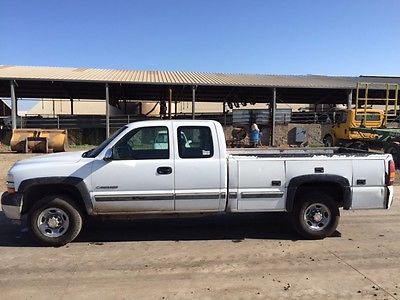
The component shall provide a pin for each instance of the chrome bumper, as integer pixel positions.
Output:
(11, 204)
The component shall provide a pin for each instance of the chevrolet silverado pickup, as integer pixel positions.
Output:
(182, 167)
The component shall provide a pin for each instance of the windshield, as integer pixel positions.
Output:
(95, 151)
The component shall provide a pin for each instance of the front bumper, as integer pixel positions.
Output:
(11, 204)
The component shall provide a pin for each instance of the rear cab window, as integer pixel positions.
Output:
(195, 142)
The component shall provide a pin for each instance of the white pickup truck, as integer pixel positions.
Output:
(183, 167)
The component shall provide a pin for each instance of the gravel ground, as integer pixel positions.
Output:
(226, 257)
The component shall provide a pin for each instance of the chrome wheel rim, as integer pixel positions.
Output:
(317, 216)
(53, 222)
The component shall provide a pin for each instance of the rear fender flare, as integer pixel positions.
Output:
(317, 179)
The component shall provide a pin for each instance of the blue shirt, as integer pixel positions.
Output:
(255, 135)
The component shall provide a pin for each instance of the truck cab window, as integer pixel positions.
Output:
(195, 142)
(143, 143)
(370, 116)
(341, 117)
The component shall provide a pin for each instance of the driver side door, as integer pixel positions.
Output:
(140, 175)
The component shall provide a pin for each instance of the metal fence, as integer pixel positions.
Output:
(237, 118)
(96, 121)
(73, 122)
(261, 116)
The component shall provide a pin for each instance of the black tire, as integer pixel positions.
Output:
(328, 141)
(308, 210)
(394, 149)
(55, 221)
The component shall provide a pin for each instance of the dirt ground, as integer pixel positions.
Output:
(224, 257)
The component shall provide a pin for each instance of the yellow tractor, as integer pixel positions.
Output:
(366, 128)
(342, 133)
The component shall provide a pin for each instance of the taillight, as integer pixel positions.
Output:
(392, 172)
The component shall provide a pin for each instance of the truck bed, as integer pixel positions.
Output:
(299, 152)
(260, 178)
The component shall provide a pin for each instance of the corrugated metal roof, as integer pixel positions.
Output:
(182, 78)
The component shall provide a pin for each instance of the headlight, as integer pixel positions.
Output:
(10, 183)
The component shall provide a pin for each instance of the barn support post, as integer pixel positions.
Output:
(72, 106)
(107, 110)
(54, 108)
(170, 104)
(273, 113)
(176, 106)
(193, 102)
(224, 111)
(350, 99)
(13, 105)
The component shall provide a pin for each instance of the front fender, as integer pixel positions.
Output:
(75, 182)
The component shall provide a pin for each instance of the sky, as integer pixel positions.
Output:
(258, 37)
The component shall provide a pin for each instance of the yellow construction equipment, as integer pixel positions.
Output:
(364, 127)
(38, 140)
(388, 100)
(345, 120)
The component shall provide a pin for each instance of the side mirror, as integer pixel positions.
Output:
(109, 155)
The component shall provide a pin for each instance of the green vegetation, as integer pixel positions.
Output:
(81, 147)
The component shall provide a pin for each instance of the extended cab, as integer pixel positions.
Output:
(183, 167)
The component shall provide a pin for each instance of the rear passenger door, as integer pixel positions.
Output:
(197, 168)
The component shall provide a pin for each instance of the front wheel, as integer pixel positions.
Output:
(315, 215)
(55, 221)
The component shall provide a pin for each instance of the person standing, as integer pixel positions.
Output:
(255, 136)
